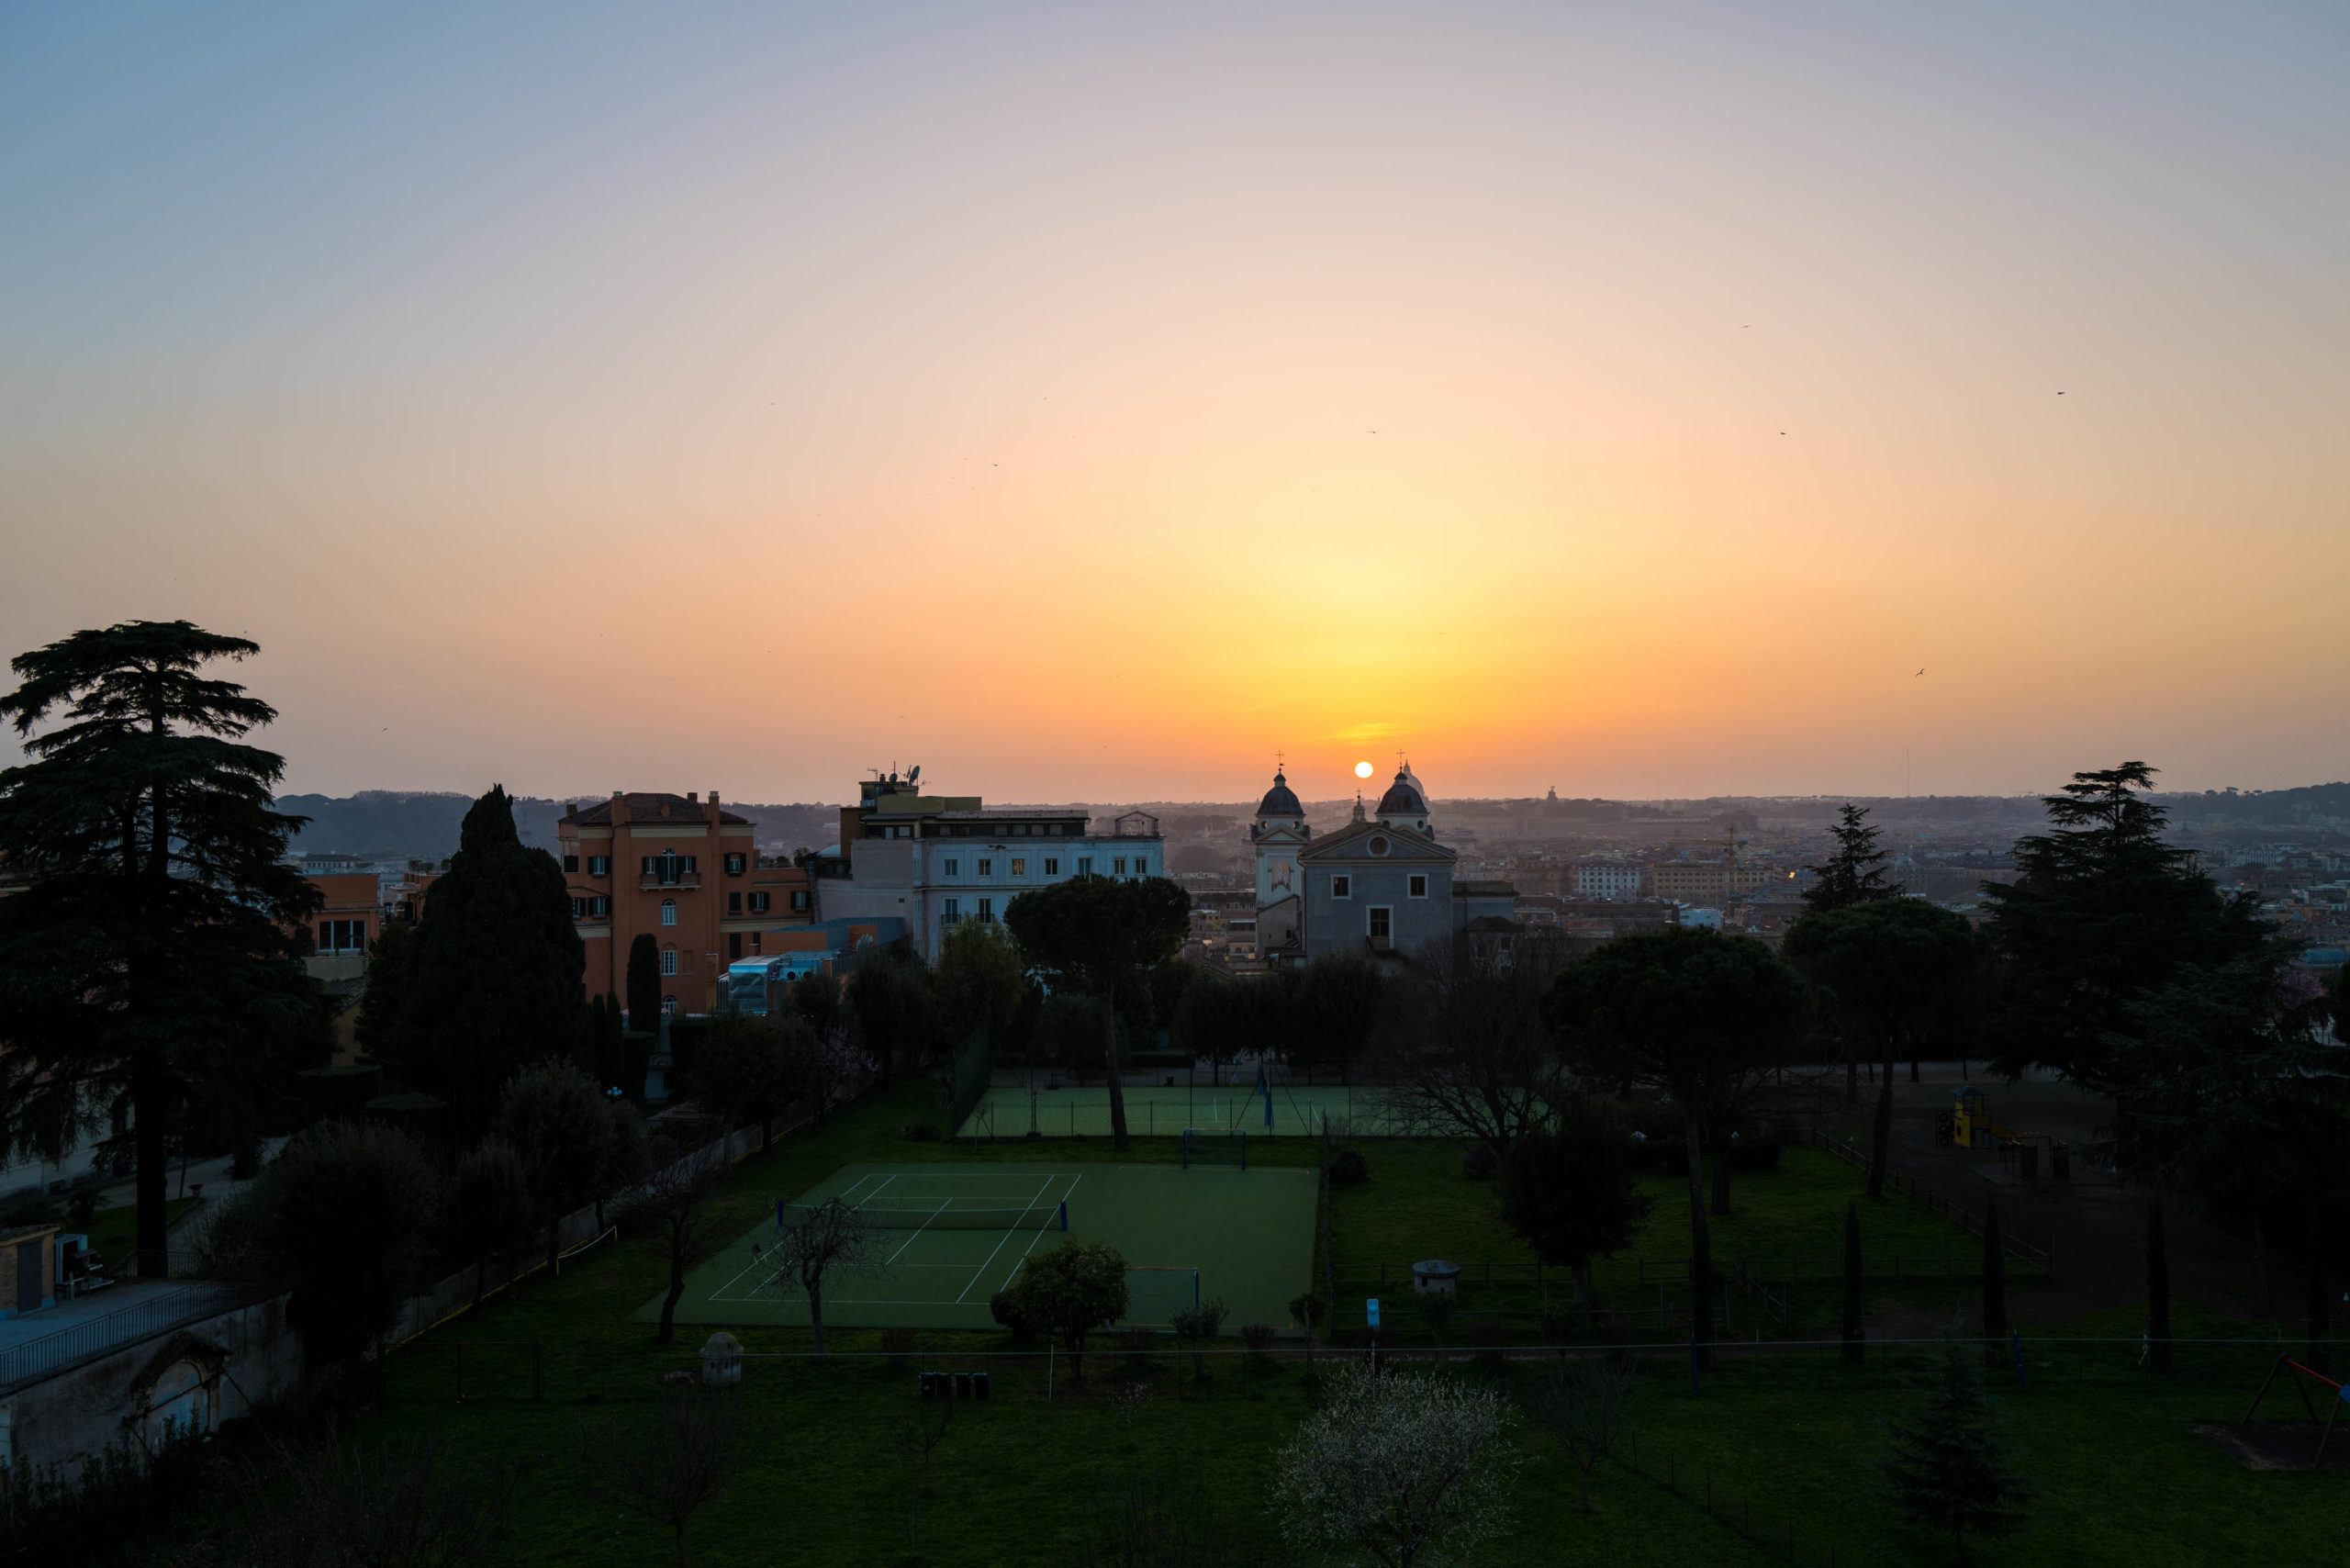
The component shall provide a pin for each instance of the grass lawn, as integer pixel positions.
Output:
(2123, 1480)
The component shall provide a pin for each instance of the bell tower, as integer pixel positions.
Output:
(1277, 834)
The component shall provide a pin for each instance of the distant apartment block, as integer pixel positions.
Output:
(935, 862)
(1610, 882)
(685, 871)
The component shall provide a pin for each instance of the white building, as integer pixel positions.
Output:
(937, 860)
(1612, 881)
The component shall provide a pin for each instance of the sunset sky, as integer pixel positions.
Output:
(1086, 401)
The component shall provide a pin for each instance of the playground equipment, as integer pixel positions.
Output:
(2341, 1397)
(2028, 1156)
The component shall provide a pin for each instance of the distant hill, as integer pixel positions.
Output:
(422, 823)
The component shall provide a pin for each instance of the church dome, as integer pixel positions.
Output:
(1279, 801)
(1403, 798)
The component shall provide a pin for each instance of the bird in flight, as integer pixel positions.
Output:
(1915, 677)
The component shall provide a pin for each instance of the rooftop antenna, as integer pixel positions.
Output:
(914, 773)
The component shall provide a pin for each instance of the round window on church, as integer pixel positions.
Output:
(1377, 844)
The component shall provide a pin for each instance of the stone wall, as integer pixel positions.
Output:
(216, 1368)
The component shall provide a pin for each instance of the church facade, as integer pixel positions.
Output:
(1381, 884)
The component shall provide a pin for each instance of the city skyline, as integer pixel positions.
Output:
(1701, 400)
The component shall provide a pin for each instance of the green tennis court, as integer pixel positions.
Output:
(1159, 1111)
(951, 1236)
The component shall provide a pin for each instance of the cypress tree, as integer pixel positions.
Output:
(2157, 1289)
(644, 985)
(1852, 1331)
(1995, 1284)
(1947, 1469)
(610, 1053)
(2318, 1352)
(496, 979)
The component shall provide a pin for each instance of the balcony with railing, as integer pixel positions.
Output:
(654, 883)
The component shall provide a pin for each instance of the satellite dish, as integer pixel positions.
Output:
(914, 773)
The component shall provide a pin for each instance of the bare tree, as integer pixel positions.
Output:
(1467, 1049)
(667, 1464)
(815, 1240)
(1586, 1406)
(676, 1203)
(1399, 1466)
(921, 1432)
(399, 1504)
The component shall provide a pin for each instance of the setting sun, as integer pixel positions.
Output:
(1363, 770)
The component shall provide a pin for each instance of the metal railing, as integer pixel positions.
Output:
(154, 1316)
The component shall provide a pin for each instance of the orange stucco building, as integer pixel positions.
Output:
(687, 872)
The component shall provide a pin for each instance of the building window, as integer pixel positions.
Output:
(1342, 886)
(578, 909)
(1420, 886)
(600, 865)
(1020, 867)
(668, 960)
(734, 903)
(1052, 867)
(571, 865)
(668, 867)
(734, 945)
(951, 867)
(754, 941)
(669, 915)
(987, 912)
(1377, 844)
(986, 868)
(1142, 866)
(601, 908)
(799, 898)
(734, 865)
(759, 902)
(1085, 865)
(343, 935)
(1118, 866)
(1381, 924)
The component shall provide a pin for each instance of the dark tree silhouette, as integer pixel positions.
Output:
(1568, 1190)
(153, 952)
(1685, 1012)
(1898, 968)
(1855, 1334)
(2103, 913)
(1854, 872)
(496, 982)
(1946, 1469)
(1093, 935)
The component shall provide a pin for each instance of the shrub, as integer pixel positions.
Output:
(923, 1131)
(1309, 1310)
(1257, 1338)
(1348, 1168)
(1005, 1307)
(1478, 1163)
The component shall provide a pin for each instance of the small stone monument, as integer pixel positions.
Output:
(1436, 1277)
(721, 1362)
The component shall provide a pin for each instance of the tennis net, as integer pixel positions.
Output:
(938, 1213)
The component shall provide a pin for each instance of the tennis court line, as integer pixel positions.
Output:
(980, 1272)
(1038, 1236)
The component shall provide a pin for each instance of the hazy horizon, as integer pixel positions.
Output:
(1088, 404)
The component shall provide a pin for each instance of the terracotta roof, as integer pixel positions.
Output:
(651, 806)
